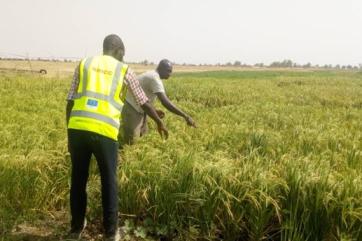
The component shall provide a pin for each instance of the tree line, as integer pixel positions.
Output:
(287, 63)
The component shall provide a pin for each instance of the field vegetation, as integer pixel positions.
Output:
(277, 155)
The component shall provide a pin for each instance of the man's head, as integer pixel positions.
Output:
(164, 69)
(113, 46)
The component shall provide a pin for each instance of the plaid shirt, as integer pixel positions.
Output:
(130, 81)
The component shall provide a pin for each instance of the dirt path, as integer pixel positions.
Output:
(54, 228)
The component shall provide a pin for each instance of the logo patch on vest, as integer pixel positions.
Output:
(92, 104)
(103, 71)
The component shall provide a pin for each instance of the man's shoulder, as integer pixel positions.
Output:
(151, 75)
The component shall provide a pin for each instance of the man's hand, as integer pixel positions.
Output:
(162, 130)
(151, 112)
(190, 121)
(160, 113)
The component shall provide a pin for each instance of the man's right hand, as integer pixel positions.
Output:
(190, 121)
(160, 113)
(151, 112)
(162, 130)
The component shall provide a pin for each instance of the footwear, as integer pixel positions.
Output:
(114, 237)
(73, 236)
(76, 234)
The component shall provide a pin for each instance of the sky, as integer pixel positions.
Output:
(187, 31)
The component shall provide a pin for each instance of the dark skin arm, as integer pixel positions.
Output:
(148, 109)
(165, 101)
(70, 104)
(151, 112)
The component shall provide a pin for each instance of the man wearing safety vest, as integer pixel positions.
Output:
(93, 114)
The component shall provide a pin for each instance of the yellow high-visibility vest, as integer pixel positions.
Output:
(97, 105)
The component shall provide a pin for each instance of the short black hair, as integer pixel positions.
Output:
(164, 64)
(112, 42)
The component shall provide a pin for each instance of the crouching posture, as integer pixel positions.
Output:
(134, 123)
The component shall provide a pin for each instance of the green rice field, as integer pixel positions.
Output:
(276, 155)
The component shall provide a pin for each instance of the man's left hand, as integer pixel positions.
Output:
(190, 121)
(160, 113)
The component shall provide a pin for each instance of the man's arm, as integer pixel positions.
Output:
(165, 101)
(71, 94)
(150, 111)
(70, 104)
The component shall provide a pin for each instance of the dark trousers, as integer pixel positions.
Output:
(82, 144)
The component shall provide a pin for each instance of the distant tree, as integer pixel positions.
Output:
(275, 64)
(307, 65)
(337, 66)
(228, 64)
(237, 63)
(261, 65)
(144, 62)
(287, 63)
(360, 66)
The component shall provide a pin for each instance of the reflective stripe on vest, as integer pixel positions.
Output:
(96, 116)
(97, 108)
(88, 93)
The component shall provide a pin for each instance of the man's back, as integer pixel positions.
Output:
(151, 84)
(98, 106)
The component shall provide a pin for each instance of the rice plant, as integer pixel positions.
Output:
(276, 156)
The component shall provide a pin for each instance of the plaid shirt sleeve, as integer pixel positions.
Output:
(130, 80)
(134, 87)
(75, 83)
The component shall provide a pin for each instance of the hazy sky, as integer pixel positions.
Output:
(192, 31)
